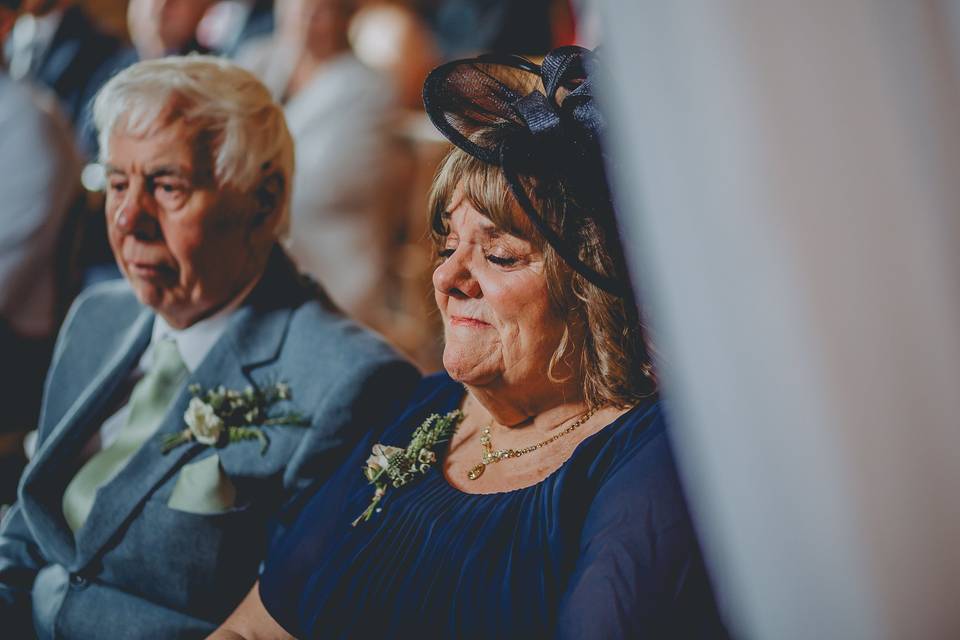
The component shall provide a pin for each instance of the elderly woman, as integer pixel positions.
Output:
(185, 405)
(529, 490)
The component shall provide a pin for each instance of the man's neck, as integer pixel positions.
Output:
(227, 306)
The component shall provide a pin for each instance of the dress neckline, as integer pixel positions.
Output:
(609, 428)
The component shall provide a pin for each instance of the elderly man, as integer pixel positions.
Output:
(187, 405)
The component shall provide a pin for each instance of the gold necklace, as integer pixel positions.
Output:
(490, 456)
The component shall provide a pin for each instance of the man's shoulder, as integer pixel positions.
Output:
(115, 293)
(106, 305)
(319, 330)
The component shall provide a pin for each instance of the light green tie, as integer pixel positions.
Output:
(148, 405)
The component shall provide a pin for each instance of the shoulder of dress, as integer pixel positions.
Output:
(637, 441)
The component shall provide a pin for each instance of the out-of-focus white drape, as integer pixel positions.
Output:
(790, 180)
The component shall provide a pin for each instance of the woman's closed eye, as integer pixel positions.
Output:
(496, 257)
(501, 260)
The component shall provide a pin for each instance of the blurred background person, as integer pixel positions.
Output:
(393, 38)
(503, 26)
(57, 44)
(157, 28)
(165, 27)
(229, 24)
(39, 171)
(345, 214)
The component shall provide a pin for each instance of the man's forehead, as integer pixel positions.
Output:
(174, 147)
(158, 169)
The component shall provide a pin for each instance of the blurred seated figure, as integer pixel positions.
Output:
(529, 490)
(157, 28)
(188, 403)
(470, 26)
(58, 45)
(230, 24)
(389, 36)
(39, 171)
(165, 27)
(344, 219)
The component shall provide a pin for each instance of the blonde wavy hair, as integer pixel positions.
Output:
(604, 341)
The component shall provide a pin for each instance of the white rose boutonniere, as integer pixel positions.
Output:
(222, 416)
(205, 425)
(394, 466)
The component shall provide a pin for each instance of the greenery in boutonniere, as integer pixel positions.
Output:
(222, 416)
(395, 467)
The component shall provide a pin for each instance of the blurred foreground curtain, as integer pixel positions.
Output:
(790, 179)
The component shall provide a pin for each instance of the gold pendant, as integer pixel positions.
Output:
(477, 471)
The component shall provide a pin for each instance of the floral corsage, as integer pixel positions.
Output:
(222, 416)
(394, 467)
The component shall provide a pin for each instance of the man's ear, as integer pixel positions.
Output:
(269, 196)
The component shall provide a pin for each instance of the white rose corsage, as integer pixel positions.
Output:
(221, 416)
(394, 466)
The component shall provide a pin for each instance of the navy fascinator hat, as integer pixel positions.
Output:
(539, 121)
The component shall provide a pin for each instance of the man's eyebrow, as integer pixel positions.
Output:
(164, 170)
(155, 172)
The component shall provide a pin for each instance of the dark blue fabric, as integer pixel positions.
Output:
(602, 548)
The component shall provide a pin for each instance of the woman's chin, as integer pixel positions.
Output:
(467, 370)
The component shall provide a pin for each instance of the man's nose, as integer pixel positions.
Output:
(136, 215)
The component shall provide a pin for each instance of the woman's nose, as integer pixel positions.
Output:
(454, 277)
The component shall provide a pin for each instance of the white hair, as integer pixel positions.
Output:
(226, 104)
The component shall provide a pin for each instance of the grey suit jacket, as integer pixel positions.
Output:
(139, 568)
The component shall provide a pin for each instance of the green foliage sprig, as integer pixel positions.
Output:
(394, 467)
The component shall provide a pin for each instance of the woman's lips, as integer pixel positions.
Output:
(463, 321)
(149, 270)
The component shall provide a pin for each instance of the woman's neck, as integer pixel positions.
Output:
(541, 409)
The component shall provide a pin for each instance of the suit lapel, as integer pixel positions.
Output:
(41, 490)
(253, 338)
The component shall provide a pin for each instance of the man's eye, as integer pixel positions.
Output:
(167, 187)
(445, 253)
(118, 186)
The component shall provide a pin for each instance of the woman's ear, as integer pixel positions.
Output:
(269, 196)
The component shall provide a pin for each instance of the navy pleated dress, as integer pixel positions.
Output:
(602, 548)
